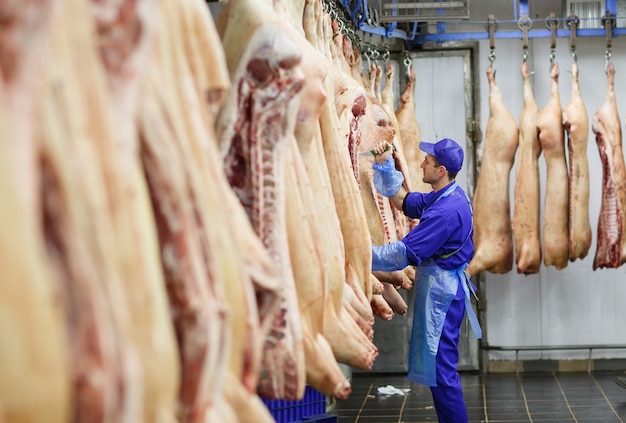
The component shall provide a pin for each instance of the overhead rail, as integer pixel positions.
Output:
(366, 18)
(442, 36)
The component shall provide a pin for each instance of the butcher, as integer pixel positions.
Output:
(440, 247)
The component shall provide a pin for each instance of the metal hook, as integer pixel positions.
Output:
(386, 55)
(408, 63)
(525, 56)
(607, 56)
(574, 56)
(552, 57)
(367, 56)
(492, 57)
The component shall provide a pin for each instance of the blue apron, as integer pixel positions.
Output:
(435, 288)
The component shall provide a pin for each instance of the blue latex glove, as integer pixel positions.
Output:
(389, 257)
(387, 179)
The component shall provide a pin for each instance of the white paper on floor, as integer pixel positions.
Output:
(392, 390)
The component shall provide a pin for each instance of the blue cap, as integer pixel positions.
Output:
(447, 152)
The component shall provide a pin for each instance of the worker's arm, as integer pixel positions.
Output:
(387, 180)
(389, 257)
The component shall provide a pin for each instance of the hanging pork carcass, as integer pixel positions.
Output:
(258, 121)
(89, 170)
(316, 248)
(323, 372)
(556, 211)
(35, 359)
(249, 277)
(220, 384)
(526, 191)
(611, 242)
(576, 124)
(410, 133)
(339, 155)
(35, 378)
(347, 306)
(127, 60)
(189, 256)
(493, 236)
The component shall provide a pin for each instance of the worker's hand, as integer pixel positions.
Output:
(383, 151)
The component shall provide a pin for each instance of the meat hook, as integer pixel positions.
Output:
(408, 63)
(607, 56)
(367, 56)
(386, 55)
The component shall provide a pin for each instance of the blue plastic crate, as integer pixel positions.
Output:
(310, 409)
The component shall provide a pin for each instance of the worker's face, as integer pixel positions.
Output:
(433, 171)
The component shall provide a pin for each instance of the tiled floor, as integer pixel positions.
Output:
(493, 398)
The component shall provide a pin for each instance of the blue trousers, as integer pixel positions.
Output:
(448, 395)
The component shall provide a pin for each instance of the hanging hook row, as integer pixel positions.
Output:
(552, 24)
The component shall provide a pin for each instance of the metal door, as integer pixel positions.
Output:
(444, 101)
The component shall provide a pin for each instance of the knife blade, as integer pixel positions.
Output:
(373, 153)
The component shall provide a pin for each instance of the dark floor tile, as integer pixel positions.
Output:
(345, 418)
(585, 413)
(503, 416)
(381, 412)
(512, 406)
(552, 415)
(377, 419)
(535, 408)
(548, 397)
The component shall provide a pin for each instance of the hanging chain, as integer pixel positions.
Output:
(572, 23)
(492, 26)
(525, 23)
(608, 22)
(552, 23)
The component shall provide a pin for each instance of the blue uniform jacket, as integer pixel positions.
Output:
(437, 233)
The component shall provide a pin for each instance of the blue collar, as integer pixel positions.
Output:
(444, 192)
